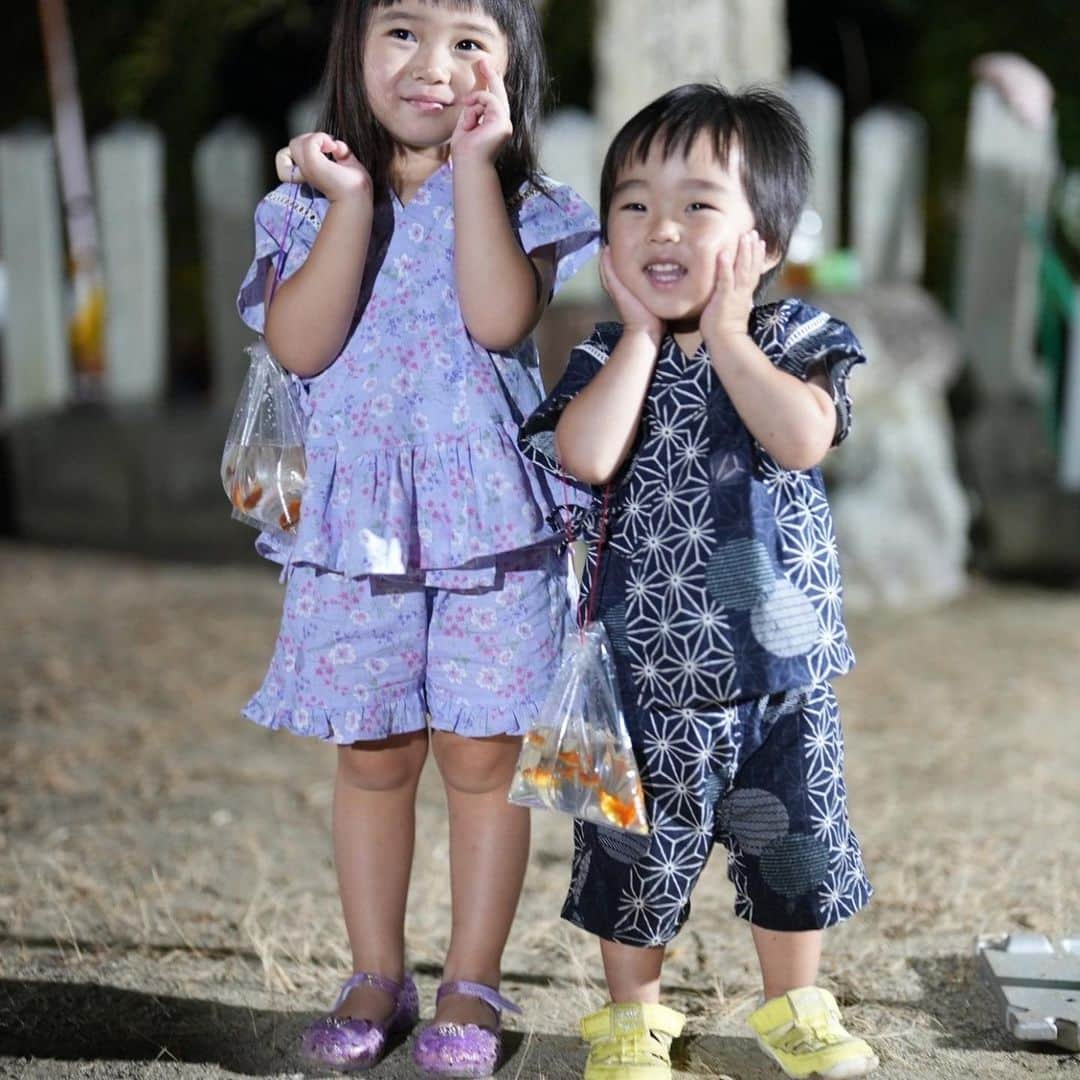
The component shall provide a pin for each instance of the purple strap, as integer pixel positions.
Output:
(487, 994)
(282, 244)
(367, 978)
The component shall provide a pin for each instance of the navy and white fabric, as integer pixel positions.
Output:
(719, 586)
(764, 778)
(733, 584)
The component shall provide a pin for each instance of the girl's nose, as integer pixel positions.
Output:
(430, 67)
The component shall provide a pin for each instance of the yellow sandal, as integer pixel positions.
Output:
(803, 1033)
(631, 1042)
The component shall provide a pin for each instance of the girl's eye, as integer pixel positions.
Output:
(470, 46)
(401, 34)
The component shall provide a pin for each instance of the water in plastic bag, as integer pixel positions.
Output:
(577, 758)
(264, 466)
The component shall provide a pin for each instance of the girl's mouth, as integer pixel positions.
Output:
(665, 275)
(426, 105)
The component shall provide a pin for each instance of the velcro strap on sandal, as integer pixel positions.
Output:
(368, 978)
(487, 994)
(627, 1019)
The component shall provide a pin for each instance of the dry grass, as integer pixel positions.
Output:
(151, 841)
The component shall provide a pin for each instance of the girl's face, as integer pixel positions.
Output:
(670, 218)
(418, 67)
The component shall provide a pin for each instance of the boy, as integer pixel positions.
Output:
(718, 582)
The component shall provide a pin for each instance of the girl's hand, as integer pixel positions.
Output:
(633, 314)
(325, 163)
(737, 277)
(484, 126)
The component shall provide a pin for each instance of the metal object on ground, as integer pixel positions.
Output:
(1038, 984)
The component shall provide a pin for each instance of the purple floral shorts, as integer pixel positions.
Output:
(369, 657)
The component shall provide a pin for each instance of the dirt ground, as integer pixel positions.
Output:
(167, 901)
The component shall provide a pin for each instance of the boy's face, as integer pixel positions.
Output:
(668, 221)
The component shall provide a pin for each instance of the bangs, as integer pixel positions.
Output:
(501, 11)
(675, 131)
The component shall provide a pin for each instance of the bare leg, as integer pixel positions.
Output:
(489, 850)
(374, 825)
(633, 974)
(788, 960)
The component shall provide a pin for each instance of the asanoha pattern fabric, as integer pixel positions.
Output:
(764, 778)
(732, 584)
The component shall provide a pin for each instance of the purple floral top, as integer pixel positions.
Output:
(412, 459)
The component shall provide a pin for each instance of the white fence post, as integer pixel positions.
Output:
(37, 364)
(229, 172)
(569, 141)
(888, 185)
(1010, 167)
(822, 109)
(129, 176)
(304, 114)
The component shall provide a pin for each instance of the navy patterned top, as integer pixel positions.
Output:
(720, 579)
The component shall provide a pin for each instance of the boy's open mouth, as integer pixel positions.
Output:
(665, 274)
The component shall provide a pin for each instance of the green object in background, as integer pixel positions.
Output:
(1056, 320)
(837, 271)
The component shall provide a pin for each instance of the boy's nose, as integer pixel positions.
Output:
(664, 231)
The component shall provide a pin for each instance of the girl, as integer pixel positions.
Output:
(422, 588)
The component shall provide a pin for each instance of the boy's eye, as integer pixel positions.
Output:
(700, 206)
(633, 206)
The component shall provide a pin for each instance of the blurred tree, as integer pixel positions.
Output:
(568, 31)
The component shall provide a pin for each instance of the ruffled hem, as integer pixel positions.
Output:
(394, 716)
(447, 505)
(465, 718)
(371, 721)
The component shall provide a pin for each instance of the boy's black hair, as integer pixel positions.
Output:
(347, 115)
(775, 155)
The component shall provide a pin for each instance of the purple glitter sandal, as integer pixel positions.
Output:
(462, 1050)
(349, 1045)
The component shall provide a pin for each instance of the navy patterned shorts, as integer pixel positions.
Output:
(763, 777)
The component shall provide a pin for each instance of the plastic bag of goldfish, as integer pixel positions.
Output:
(577, 758)
(264, 465)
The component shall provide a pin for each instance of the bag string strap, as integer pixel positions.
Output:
(294, 198)
(594, 577)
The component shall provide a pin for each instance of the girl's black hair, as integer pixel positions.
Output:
(775, 155)
(347, 115)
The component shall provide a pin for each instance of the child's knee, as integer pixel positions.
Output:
(476, 766)
(385, 764)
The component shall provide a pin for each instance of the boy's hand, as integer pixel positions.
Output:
(737, 275)
(325, 163)
(633, 314)
(484, 126)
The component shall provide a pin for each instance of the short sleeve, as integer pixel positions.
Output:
(286, 224)
(537, 436)
(557, 215)
(806, 342)
(577, 504)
